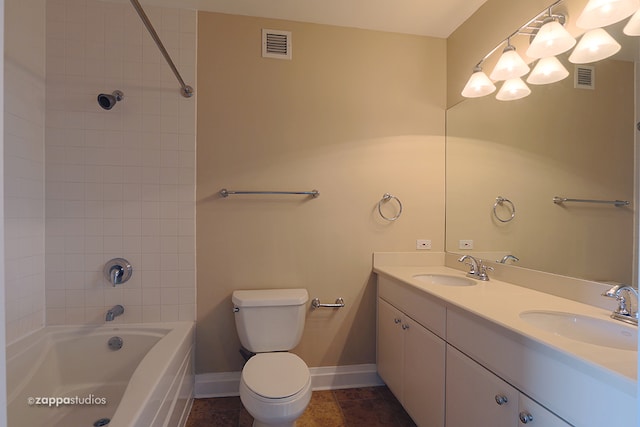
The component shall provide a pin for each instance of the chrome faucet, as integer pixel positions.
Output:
(114, 312)
(477, 269)
(507, 258)
(622, 312)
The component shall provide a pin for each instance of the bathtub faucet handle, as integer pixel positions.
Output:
(118, 271)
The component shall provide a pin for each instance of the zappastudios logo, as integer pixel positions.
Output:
(68, 400)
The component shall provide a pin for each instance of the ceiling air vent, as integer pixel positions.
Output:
(585, 77)
(276, 44)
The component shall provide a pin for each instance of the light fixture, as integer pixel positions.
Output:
(478, 85)
(510, 65)
(547, 70)
(513, 89)
(600, 13)
(593, 46)
(633, 26)
(552, 39)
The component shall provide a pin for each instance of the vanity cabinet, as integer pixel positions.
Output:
(411, 361)
(475, 396)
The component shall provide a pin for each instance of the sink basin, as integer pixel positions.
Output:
(444, 279)
(584, 328)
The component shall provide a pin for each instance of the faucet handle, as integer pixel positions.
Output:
(482, 273)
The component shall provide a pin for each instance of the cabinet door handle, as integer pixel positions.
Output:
(396, 320)
(405, 326)
(525, 417)
(501, 399)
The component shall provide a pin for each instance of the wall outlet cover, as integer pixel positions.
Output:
(423, 244)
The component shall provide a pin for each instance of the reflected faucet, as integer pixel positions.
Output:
(114, 312)
(622, 312)
(507, 258)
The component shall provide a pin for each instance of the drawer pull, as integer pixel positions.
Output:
(525, 417)
(396, 320)
(501, 399)
(405, 326)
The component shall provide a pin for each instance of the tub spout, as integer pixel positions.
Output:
(114, 312)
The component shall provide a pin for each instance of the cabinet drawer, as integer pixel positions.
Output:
(415, 303)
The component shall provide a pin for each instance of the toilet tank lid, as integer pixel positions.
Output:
(269, 297)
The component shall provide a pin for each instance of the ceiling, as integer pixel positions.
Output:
(435, 18)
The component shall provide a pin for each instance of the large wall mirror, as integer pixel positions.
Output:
(559, 141)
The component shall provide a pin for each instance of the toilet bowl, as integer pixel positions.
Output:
(275, 388)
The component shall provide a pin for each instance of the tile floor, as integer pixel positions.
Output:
(354, 407)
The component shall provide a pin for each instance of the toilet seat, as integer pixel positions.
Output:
(276, 375)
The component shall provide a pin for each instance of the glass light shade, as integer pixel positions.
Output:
(600, 13)
(547, 70)
(513, 89)
(552, 39)
(593, 46)
(509, 66)
(633, 26)
(478, 85)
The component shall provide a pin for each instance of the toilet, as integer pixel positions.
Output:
(275, 386)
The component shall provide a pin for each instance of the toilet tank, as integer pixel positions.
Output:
(270, 319)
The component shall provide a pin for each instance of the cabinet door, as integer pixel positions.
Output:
(533, 414)
(475, 396)
(390, 345)
(424, 370)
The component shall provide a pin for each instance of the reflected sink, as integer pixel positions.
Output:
(444, 279)
(584, 328)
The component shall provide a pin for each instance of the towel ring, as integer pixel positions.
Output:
(385, 198)
(499, 201)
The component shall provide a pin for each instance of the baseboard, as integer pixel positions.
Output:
(226, 384)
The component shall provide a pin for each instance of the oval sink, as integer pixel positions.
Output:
(584, 328)
(444, 279)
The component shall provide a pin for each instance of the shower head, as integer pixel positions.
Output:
(107, 101)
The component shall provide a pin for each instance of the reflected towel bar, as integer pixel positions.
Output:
(315, 303)
(618, 203)
(314, 193)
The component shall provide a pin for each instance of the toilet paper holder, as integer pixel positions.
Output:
(315, 303)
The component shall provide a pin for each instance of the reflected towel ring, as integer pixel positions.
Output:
(385, 198)
(499, 201)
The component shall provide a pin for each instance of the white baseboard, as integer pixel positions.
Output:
(226, 384)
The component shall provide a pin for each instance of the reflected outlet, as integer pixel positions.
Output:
(465, 244)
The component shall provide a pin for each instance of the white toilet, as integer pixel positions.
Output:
(275, 386)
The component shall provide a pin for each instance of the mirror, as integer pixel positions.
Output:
(558, 141)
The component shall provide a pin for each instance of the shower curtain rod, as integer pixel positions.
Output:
(186, 90)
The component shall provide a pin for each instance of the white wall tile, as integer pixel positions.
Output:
(119, 182)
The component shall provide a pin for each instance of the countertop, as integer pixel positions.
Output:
(501, 303)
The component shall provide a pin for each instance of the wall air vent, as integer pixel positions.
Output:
(276, 44)
(584, 77)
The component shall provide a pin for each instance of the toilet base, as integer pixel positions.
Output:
(257, 423)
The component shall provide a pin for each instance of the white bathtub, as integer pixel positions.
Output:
(68, 376)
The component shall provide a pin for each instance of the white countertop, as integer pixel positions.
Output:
(501, 303)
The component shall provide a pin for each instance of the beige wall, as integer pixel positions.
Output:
(355, 114)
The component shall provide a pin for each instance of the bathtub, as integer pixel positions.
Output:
(71, 376)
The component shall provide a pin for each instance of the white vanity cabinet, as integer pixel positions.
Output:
(475, 396)
(411, 361)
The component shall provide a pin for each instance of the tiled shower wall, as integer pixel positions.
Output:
(24, 133)
(119, 183)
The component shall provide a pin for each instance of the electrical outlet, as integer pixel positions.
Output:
(465, 244)
(423, 244)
